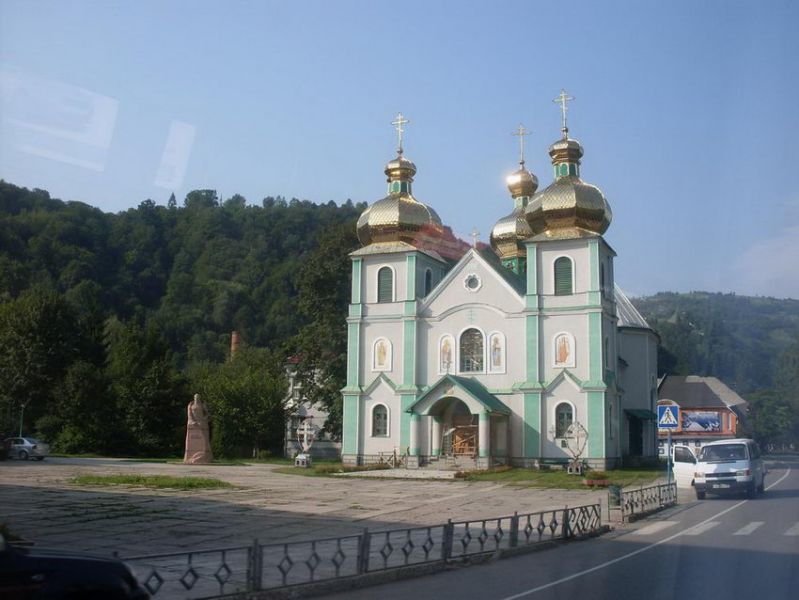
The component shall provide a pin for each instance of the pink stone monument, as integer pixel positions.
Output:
(198, 440)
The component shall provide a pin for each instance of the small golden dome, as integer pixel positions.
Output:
(398, 216)
(400, 169)
(522, 183)
(569, 207)
(511, 230)
(509, 233)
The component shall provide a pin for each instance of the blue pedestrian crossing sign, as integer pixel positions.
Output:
(668, 417)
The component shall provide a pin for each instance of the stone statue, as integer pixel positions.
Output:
(198, 440)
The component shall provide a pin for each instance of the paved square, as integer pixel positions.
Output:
(38, 503)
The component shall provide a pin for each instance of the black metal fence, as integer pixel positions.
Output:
(645, 500)
(219, 571)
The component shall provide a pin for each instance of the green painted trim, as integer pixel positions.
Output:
(596, 425)
(532, 269)
(528, 386)
(409, 308)
(595, 366)
(564, 309)
(406, 401)
(356, 280)
(501, 391)
(483, 452)
(369, 387)
(532, 326)
(531, 438)
(349, 441)
(593, 247)
(410, 276)
(356, 310)
(595, 298)
(353, 354)
(409, 353)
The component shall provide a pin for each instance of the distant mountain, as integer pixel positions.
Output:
(738, 339)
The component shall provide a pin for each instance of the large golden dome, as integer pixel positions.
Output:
(569, 207)
(398, 216)
(510, 231)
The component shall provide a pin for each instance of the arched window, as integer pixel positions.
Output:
(385, 285)
(428, 281)
(564, 417)
(563, 276)
(380, 421)
(471, 351)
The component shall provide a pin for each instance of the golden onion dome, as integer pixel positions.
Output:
(511, 230)
(569, 207)
(398, 216)
(522, 183)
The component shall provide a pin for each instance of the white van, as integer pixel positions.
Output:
(725, 466)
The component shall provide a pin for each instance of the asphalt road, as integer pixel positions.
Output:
(719, 548)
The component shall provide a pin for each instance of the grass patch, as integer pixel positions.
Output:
(559, 479)
(329, 469)
(153, 481)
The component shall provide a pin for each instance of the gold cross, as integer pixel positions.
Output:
(398, 125)
(521, 132)
(562, 100)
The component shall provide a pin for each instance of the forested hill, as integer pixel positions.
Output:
(200, 270)
(738, 339)
(109, 322)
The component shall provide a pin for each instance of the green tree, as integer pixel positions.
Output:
(771, 418)
(246, 397)
(324, 295)
(150, 395)
(38, 341)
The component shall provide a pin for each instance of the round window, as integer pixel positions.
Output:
(472, 282)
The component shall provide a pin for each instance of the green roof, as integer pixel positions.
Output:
(517, 282)
(472, 387)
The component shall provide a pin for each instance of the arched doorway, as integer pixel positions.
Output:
(459, 431)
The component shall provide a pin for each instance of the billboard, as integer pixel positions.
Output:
(701, 420)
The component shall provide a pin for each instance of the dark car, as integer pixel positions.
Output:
(34, 574)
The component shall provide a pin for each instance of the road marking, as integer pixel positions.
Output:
(701, 528)
(655, 527)
(793, 530)
(747, 529)
(608, 563)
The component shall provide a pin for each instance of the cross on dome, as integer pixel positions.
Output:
(521, 132)
(562, 99)
(475, 236)
(398, 125)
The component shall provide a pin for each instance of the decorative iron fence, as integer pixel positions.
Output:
(220, 571)
(647, 499)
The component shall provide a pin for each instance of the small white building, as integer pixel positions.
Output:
(492, 355)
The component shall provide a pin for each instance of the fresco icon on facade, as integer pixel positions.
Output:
(564, 350)
(382, 355)
(497, 349)
(445, 354)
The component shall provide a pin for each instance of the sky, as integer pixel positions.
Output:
(687, 111)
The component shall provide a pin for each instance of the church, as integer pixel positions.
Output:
(494, 355)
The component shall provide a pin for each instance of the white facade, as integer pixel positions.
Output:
(540, 351)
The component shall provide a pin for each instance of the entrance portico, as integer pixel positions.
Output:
(461, 414)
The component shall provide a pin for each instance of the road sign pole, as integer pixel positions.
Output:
(668, 459)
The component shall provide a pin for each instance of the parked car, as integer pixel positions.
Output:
(24, 448)
(33, 574)
(723, 466)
